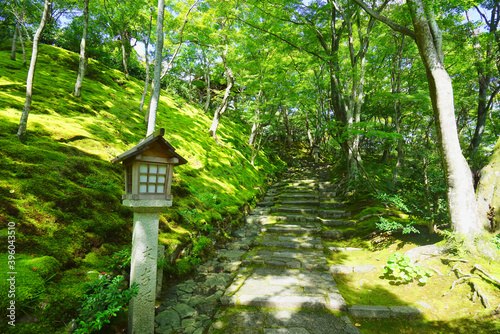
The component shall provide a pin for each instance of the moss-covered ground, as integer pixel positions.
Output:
(64, 195)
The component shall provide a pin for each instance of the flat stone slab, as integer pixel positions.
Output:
(308, 259)
(293, 210)
(285, 195)
(331, 205)
(280, 321)
(374, 311)
(344, 269)
(333, 213)
(336, 222)
(291, 228)
(295, 218)
(369, 311)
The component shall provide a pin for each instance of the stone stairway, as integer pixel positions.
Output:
(283, 284)
(273, 277)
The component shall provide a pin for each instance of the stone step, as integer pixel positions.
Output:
(327, 195)
(292, 228)
(295, 218)
(284, 288)
(333, 213)
(308, 195)
(375, 311)
(336, 222)
(300, 202)
(331, 205)
(289, 241)
(345, 269)
(265, 203)
(345, 249)
(287, 209)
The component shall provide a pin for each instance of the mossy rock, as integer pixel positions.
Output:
(44, 266)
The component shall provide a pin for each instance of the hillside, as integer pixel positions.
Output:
(64, 195)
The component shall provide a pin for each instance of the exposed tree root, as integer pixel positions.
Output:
(478, 267)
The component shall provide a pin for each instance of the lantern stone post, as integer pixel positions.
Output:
(148, 179)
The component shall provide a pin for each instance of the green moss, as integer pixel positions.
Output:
(61, 189)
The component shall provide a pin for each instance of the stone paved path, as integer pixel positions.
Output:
(273, 277)
(283, 284)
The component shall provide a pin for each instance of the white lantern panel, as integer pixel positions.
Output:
(152, 178)
(143, 188)
(162, 170)
(161, 179)
(143, 168)
(143, 178)
(153, 169)
(151, 188)
(159, 189)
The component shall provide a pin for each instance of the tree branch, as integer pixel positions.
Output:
(385, 20)
(281, 38)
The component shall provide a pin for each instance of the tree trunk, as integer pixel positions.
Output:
(223, 106)
(155, 97)
(488, 192)
(21, 132)
(289, 139)
(125, 42)
(146, 81)
(460, 190)
(82, 67)
(461, 199)
(14, 42)
(207, 81)
(20, 35)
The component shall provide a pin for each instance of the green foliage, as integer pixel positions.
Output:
(395, 200)
(119, 262)
(393, 226)
(496, 241)
(103, 299)
(399, 268)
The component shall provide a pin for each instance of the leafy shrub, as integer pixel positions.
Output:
(103, 299)
(392, 226)
(120, 261)
(393, 200)
(399, 267)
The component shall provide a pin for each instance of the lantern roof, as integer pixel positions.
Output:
(154, 145)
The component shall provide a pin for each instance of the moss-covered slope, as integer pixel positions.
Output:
(64, 195)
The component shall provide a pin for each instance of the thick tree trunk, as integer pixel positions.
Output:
(155, 96)
(488, 192)
(82, 66)
(460, 191)
(21, 132)
(14, 42)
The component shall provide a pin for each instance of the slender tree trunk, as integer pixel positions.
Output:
(289, 139)
(460, 190)
(155, 97)
(20, 35)
(146, 81)
(223, 106)
(82, 67)
(207, 81)
(126, 48)
(482, 113)
(21, 133)
(14, 42)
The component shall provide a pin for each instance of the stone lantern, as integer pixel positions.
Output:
(149, 168)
